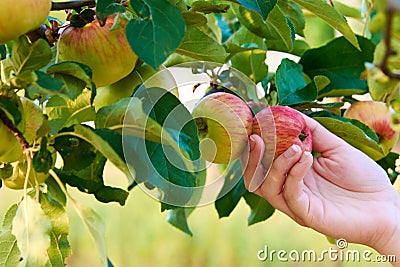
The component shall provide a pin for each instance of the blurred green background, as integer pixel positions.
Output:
(137, 234)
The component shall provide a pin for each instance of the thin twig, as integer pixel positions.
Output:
(72, 4)
(388, 50)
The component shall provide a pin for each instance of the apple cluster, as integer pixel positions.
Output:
(225, 121)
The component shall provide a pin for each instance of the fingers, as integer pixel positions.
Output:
(253, 168)
(288, 169)
(294, 191)
(272, 188)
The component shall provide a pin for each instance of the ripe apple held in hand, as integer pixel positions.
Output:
(20, 17)
(290, 128)
(378, 117)
(104, 49)
(224, 122)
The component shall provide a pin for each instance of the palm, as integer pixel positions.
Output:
(335, 198)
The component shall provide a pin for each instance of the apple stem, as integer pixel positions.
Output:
(17, 133)
(201, 125)
(303, 136)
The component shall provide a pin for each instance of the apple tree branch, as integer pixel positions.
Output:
(388, 50)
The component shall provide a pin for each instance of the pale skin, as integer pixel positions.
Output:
(342, 193)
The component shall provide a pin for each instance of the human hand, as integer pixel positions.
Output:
(341, 193)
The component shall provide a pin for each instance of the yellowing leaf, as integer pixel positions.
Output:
(31, 227)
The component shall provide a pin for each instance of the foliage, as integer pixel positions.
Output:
(71, 140)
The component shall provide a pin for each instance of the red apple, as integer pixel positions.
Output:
(290, 128)
(20, 17)
(224, 123)
(104, 49)
(378, 117)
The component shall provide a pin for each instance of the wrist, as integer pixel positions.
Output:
(389, 244)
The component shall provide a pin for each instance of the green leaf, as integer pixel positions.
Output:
(9, 217)
(166, 161)
(347, 10)
(114, 114)
(334, 107)
(199, 45)
(354, 135)
(77, 154)
(54, 191)
(3, 52)
(208, 7)
(388, 163)
(329, 14)
(276, 30)
(30, 56)
(291, 84)
(9, 252)
(89, 179)
(341, 63)
(75, 76)
(262, 7)
(64, 112)
(155, 37)
(96, 228)
(227, 203)
(90, 136)
(59, 246)
(250, 62)
(45, 85)
(178, 218)
(260, 208)
(294, 13)
(10, 107)
(194, 19)
(32, 228)
(106, 8)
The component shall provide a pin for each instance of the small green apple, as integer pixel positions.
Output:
(17, 180)
(110, 94)
(20, 17)
(10, 149)
(224, 122)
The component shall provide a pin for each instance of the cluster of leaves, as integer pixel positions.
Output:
(161, 32)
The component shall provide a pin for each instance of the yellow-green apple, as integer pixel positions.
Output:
(378, 117)
(290, 128)
(104, 49)
(224, 123)
(110, 94)
(10, 149)
(20, 17)
(17, 179)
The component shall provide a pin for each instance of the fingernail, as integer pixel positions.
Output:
(252, 143)
(305, 155)
(291, 151)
